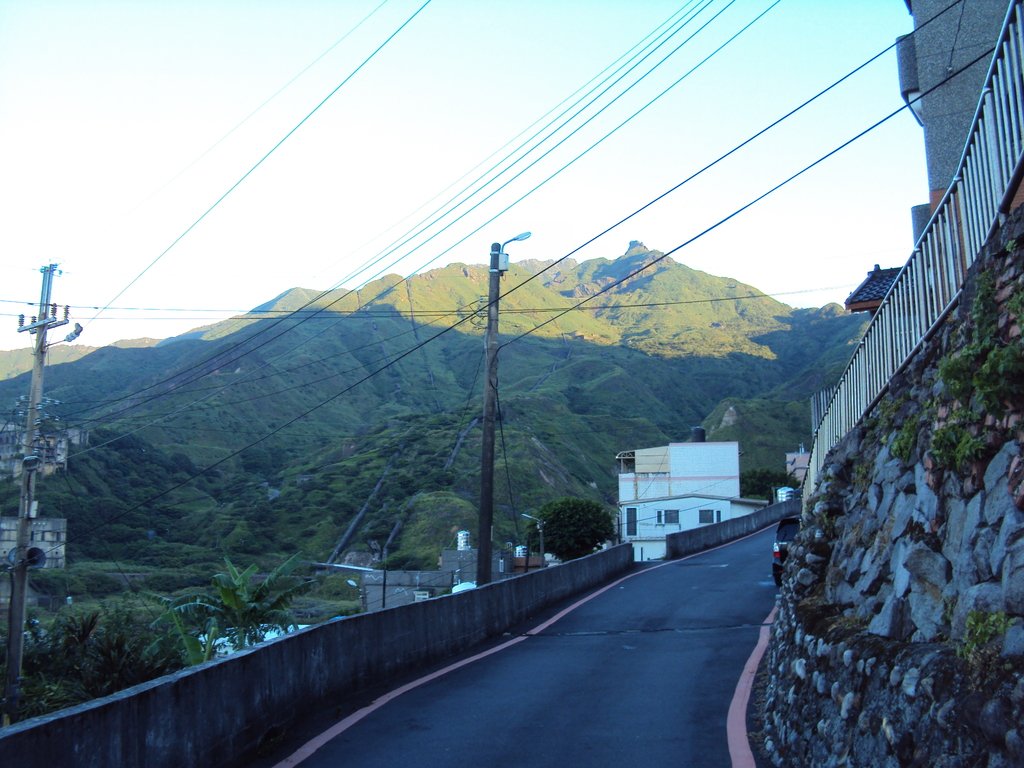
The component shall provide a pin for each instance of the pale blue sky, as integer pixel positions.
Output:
(105, 107)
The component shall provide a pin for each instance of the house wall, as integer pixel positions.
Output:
(649, 540)
(684, 478)
(943, 45)
(711, 469)
(46, 533)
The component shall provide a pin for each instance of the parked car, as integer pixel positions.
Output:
(788, 526)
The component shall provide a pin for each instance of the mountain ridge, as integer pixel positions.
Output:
(312, 406)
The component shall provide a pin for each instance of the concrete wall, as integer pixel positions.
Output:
(945, 45)
(705, 537)
(219, 712)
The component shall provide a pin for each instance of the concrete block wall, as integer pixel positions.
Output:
(707, 536)
(220, 712)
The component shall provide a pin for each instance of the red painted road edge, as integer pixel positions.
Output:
(736, 722)
(311, 746)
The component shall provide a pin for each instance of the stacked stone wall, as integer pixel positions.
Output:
(899, 638)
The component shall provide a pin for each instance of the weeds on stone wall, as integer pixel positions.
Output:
(987, 371)
(983, 377)
(954, 444)
(906, 438)
(980, 649)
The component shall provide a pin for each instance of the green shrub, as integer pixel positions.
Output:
(905, 440)
(953, 446)
(979, 648)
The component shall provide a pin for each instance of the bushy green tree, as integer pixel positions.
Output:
(575, 527)
(81, 655)
(239, 607)
(759, 483)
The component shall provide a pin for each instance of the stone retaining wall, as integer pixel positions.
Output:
(900, 633)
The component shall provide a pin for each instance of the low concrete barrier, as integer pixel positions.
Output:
(220, 712)
(707, 536)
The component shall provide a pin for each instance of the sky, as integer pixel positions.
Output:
(184, 162)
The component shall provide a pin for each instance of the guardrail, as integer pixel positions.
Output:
(929, 285)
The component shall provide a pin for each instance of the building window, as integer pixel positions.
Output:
(631, 521)
(706, 516)
(672, 517)
(659, 517)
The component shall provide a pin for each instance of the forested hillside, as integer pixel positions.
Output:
(265, 435)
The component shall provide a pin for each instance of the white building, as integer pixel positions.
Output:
(677, 487)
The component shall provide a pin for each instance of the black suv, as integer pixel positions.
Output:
(788, 526)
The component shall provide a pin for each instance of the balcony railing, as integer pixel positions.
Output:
(929, 285)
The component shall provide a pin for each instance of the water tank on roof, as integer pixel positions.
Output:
(697, 435)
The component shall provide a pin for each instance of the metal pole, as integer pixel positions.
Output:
(19, 572)
(540, 530)
(483, 557)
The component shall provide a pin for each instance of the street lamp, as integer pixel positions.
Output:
(540, 531)
(499, 264)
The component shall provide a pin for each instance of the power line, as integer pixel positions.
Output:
(266, 314)
(239, 344)
(386, 291)
(460, 322)
(732, 151)
(260, 162)
(628, 56)
(322, 294)
(749, 204)
(660, 197)
(427, 223)
(266, 101)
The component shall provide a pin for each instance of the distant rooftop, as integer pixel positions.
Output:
(868, 295)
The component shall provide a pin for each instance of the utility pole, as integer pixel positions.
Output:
(46, 319)
(540, 531)
(499, 264)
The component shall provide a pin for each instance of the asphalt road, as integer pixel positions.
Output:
(641, 674)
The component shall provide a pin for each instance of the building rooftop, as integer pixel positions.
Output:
(868, 295)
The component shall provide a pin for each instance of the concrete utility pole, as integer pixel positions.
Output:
(499, 264)
(540, 532)
(46, 319)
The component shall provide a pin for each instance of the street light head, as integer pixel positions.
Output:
(517, 238)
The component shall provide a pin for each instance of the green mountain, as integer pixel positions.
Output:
(268, 435)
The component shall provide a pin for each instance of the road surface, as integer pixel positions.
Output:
(639, 674)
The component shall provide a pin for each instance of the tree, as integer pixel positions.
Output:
(239, 608)
(759, 483)
(575, 527)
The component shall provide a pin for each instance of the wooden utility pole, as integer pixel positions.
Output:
(46, 319)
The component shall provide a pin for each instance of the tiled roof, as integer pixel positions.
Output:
(873, 289)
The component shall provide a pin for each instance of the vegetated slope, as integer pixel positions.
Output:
(298, 417)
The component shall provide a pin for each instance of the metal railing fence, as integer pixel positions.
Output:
(929, 285)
